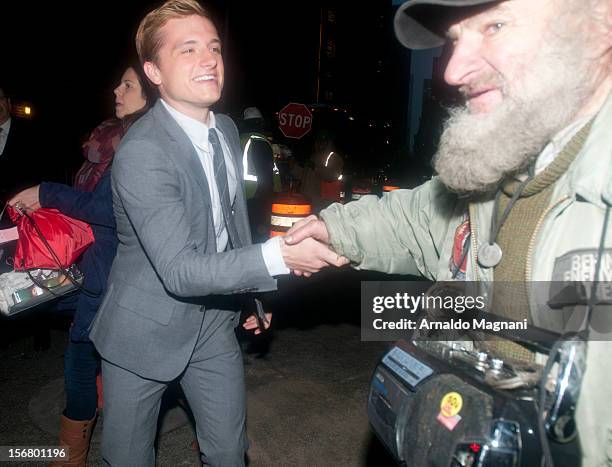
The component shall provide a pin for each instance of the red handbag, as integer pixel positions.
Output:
(48, 239)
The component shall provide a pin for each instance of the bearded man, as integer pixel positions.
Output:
(524, 183)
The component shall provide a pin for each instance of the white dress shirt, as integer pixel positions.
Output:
(6, 126)
(558, 142)
(197, 132)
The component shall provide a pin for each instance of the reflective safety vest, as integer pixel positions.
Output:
(250, 177)
(331, 189)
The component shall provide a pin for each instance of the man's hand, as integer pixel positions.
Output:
(253, 323)
(310, 256)
(311, 226)
(28, 199)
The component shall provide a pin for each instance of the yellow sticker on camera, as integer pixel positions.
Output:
(451, 404)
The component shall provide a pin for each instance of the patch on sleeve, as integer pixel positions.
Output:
(573, 275)
(579, 266)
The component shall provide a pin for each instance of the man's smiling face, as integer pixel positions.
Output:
(189, 68)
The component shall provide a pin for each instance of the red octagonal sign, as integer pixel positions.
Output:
(294, 120)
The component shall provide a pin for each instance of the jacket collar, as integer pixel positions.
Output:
(196, 131)
(6, 126)
(591, 174)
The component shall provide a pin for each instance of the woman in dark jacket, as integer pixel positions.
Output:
(90, 200)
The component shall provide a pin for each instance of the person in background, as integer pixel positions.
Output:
(21, 163)
(90, 200)
(320, 176)
(259, 177)
(6, 160)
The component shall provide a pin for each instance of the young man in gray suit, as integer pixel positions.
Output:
(184, 259)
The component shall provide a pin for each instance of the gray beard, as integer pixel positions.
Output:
(477, 152)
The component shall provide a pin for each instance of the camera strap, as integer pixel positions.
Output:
(584, 334)
(490, 253)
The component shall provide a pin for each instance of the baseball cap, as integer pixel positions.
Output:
(421, 24)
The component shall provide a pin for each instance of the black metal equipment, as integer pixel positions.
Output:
(441, 404)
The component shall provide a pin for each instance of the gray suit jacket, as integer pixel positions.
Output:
(167, 271)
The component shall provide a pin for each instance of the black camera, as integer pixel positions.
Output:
(438, 403)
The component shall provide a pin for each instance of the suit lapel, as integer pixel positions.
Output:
(13, 134)
(182, 148)
(233, 143)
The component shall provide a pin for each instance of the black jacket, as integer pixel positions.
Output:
(22, 163)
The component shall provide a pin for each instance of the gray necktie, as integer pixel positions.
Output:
(221, 179)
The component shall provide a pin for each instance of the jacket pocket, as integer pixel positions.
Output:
(156, 307)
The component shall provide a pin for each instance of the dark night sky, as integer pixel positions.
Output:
(66, 57)
(71, 58)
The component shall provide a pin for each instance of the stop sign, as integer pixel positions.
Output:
(294, 120)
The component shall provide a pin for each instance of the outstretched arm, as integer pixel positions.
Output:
(92, 207)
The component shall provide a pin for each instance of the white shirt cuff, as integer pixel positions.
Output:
(273, 257)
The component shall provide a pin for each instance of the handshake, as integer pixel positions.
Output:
(306, 250)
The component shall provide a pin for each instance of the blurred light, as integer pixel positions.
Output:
(352, 118)
(340, 177)
(22, 110)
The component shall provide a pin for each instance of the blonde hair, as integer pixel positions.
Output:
(149, 38)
